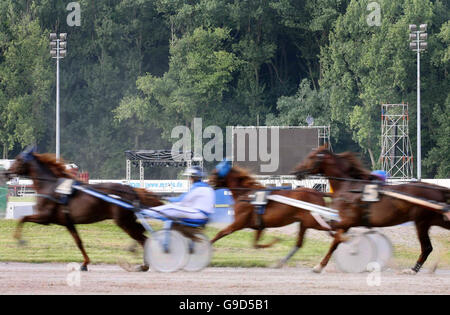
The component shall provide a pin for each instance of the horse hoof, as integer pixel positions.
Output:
(128, 267)
(317, 269)
(409, 272)
(83, 268)
(125, 265)
(279, 265)
(434, 267)
(142, 268)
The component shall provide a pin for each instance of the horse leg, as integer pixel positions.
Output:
(238, 224)
(135, 231)
(133, 247)
(258, 234)
(425, 245)
(18, 232)
(35, 218)
(336, 241)
(301, 235)
(76, 237)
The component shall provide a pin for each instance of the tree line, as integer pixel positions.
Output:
(135, 69)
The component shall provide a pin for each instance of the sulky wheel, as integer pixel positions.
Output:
(384, 247)
(199, 253)
(166, 251)
(354, 255)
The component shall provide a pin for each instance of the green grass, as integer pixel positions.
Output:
(405, 256)
(106, 243)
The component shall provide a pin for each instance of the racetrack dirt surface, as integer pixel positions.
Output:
(52, 278)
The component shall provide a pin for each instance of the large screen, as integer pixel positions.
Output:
(272, 150)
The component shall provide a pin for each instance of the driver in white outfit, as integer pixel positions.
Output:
(197, 203)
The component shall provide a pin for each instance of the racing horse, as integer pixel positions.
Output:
(348, 179)
(79, 208)
(242, 184)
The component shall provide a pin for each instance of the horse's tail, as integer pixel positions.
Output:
(187, 231)
(147, 198)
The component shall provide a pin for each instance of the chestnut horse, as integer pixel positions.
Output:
(80, 208)
(348, 178)
(241, 184)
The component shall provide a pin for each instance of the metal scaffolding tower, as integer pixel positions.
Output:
(396, 154)
(324, 136)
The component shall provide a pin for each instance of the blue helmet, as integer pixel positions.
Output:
(382, 175)
(194, 171)
(223, 168)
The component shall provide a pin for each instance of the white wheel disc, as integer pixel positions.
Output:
(354, 255)
(199, 253)
(384, 248)
(166, 258)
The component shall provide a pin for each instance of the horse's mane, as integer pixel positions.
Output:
(357, 169)
(57, 167)
(246, 179)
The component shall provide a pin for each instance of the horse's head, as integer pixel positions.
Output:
(324, 162)
(22, 163)
(215, 181)
(317, 162)
(219, 176)
(232, 177)
(30, 163)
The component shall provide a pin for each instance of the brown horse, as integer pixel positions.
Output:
(348, 179)
(80, 208)
(241, 184)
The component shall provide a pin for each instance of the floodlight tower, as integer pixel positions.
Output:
(58, 50)
(418, 43)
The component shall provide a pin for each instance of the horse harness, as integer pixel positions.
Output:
(260, 202)
(61, 195)
(258, 199)
(371, 192)
(66, 188)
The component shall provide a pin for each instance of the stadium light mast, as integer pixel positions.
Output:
(418, 43)
(58, 50)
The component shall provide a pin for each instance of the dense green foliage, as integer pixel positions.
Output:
(137, 68)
